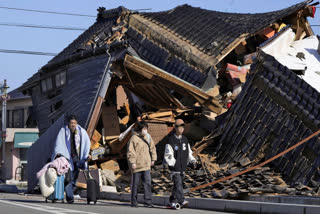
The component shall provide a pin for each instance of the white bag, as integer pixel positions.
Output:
(47, 182)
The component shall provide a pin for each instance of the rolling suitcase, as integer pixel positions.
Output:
(93, 188)
(58, 193)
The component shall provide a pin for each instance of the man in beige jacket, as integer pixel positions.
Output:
(141, 155)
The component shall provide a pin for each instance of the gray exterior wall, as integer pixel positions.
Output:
(76, 97)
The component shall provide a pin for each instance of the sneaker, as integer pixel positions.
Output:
(76, 197)
(174, 206)
(184, 204)
(134, 205)
(149, 205)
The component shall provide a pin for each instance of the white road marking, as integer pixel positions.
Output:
(44, 208)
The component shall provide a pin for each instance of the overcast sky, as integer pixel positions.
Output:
(17, 68)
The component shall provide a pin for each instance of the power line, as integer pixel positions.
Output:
(27, 52)
(43, 11)
(42, 26)
(60, 13)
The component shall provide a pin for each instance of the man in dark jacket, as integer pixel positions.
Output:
(178, 155)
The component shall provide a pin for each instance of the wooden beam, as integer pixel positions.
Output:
(150, 103)
(130, 80)
(103, 89)
(208, 103)
(94, 117)
(231, 46)
(174, 100)
(160, 114)
(306, 26)
(158, 95)
(146, 69)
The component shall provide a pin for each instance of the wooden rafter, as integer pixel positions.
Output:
(147, 70)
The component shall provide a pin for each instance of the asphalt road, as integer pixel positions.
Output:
(35, 204)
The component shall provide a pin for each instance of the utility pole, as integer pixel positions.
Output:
(4, 98)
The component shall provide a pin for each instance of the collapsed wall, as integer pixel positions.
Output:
(275, 110)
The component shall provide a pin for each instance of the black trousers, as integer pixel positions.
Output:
(177, 195)
(135, 180)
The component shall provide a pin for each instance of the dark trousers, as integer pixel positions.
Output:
(177, 195)
(69, 188)
(146, 179)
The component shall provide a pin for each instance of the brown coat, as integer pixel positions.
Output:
(138, 152)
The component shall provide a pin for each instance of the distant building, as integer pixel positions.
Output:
(21, 134)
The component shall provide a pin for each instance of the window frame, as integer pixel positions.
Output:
(59, 77)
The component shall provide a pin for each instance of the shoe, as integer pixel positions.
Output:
(71, 201)
(175, 206)
(184, 204)
(134, 205)
(76, 197)
(149, 205)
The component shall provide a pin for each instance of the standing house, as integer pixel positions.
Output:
(21, 134)
(167, 59)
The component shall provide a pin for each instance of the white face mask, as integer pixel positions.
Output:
(144, 132)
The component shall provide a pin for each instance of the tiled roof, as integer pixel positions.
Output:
(212, 31)
(275, 110)
(160, 57)
(100, 30)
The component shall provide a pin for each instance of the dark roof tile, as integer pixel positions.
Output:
(202, 27)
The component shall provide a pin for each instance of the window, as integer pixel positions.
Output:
(23, 155)
(46, 84)
(43, 86)
(61, 79)
(16, 118)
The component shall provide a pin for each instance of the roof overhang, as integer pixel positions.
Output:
(25, 139)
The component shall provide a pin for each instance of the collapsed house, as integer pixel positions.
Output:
(187, 62)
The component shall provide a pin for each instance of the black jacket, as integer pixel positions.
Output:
(177, 153)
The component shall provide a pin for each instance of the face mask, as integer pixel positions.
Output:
(144, 132)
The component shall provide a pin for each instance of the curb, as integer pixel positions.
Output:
(11, 188)
(221, 204)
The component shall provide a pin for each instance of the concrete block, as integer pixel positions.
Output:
(192, 202)
(273, 208)
(110, 196)
(312, 210)
(286, 199)
(124, 197)
(9, 188)
(160, 200)
(242, 206)
(209, 204)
